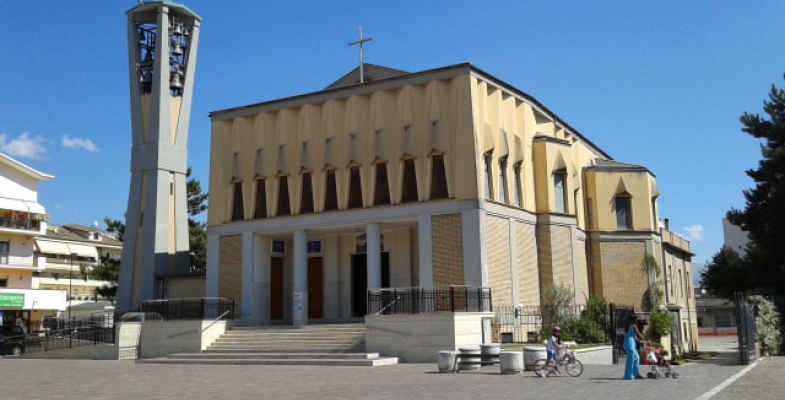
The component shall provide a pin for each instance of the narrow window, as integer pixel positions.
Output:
(381, 194)
(306, 201)
(438, 178)
(237, 202)
(623, 221)
(409, 194)
(331, 194)
(260, 208)
(559, 191)
(503, 180)
(488, 176)
(355, 188)
(283, 197)
(517, 193)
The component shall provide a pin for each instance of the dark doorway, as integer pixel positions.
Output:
(360, 281)
(315, 288)
(276, 288)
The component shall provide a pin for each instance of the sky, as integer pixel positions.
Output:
(660, 84)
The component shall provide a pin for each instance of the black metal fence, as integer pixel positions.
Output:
(190, 308)
(419, 300)
(523, 324)
(53, 333)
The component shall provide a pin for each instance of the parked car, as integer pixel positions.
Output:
(12, 340)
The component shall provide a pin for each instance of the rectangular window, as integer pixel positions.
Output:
(623, 220)
(409, 189)
(4, 249)
(355, 188)
(722, 321)
(260, 209)
(381, 193)
(237, 202)
(438, 178)
(331, 193)
(283, 197)
(488, 176)
(517, 193)
(306, 200)
(559, 192)
(503, 180)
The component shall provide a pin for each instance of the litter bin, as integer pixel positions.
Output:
(446, 361)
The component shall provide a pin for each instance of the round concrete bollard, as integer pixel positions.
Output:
(446, 360)
(531, 355)
(473, 354)
(489, 349)
(511, 362)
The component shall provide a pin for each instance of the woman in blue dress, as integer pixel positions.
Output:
(630, 345)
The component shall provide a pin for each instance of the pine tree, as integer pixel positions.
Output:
(763, 217)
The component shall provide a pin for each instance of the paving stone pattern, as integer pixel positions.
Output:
(82, 379)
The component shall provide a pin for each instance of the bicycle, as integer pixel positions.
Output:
(572, 365)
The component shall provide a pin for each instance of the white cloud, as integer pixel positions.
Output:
(76, 143)
(694, 232)
(24, 146)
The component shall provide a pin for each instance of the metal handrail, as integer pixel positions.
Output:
(201, 330)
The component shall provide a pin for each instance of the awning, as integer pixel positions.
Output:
(21, 205)
(52, 247)
(66, 248)
(83, 251)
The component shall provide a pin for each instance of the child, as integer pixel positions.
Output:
(554, 344)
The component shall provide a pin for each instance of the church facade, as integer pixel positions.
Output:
(442, 177)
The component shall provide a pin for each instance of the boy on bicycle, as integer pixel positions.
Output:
(552, 347)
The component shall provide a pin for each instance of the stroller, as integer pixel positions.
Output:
(659, 366)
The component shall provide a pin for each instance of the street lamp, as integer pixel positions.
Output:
(70, 275)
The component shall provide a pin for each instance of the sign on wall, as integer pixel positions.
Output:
(12, 299)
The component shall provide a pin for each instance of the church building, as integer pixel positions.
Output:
(448, 177)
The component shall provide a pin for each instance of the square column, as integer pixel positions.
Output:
(300, 293)
(374, 255)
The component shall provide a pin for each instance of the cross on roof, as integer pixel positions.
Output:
(360, 42)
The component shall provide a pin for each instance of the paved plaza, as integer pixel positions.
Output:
(22, 378)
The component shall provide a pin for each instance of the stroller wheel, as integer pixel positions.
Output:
(674, 375)
(667, 374)
(650, 375)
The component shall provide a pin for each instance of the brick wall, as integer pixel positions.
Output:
(230, 268)
(497, 241)
(528, 277)
(447, 242)
(621, 264)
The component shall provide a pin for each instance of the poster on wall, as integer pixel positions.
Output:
(297, 302)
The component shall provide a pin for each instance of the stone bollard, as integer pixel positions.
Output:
(446, 361)
(470, 353)
(531, 355)
(489, 350)
(511, 362)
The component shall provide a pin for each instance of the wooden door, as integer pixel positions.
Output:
(315, 288)
(276, 288)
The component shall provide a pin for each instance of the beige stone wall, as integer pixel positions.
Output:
(230, 268)
(621, 272)
(497, 234)
(447, 237)
(581, 272)
(554, 254)
(528, 277)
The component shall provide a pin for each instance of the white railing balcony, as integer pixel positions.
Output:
(19, 260)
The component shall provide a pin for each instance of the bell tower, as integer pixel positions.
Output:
(162, 43)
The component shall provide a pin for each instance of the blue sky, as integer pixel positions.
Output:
(661, 84)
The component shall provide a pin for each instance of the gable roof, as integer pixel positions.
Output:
(371, 72)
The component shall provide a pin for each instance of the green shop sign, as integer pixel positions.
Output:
(12, 299)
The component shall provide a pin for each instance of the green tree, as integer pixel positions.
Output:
(555, 307)
(197, 235)
(725, 274)
(763, 217)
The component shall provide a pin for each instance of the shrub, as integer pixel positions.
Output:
(583, 330)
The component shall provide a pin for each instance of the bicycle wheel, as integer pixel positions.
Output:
(574, 367)
(538, 367)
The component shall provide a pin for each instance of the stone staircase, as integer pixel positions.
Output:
(315, 344)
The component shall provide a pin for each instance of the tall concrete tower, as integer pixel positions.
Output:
(162, 43)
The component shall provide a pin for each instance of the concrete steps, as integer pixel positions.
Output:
(316, 344)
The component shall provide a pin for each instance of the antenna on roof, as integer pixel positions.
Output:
(360, 42)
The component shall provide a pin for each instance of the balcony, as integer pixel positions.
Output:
(20, 261)
(21, 223)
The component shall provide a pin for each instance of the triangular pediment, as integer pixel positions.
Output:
(371, 72)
